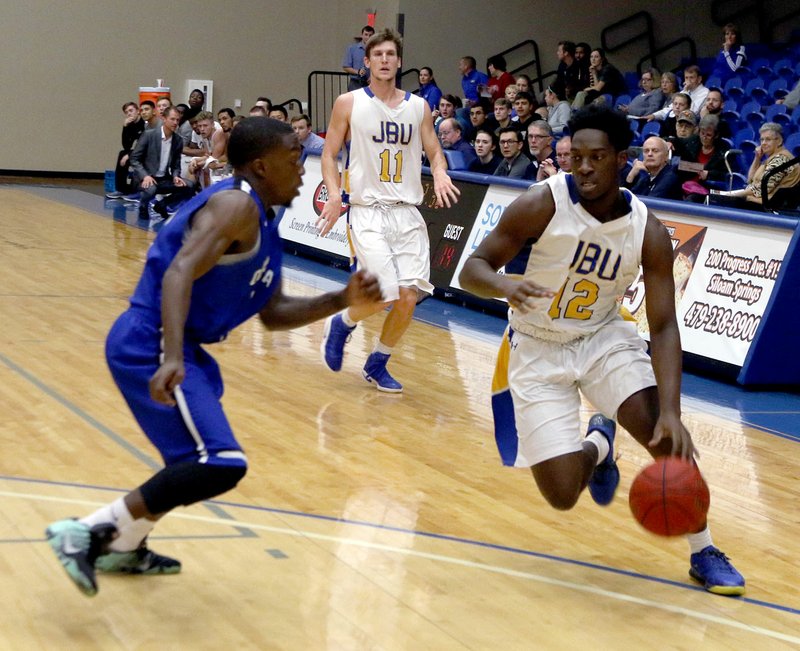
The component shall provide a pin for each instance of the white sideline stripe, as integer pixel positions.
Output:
(722, 621)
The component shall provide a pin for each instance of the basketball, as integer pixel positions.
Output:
(670, 497)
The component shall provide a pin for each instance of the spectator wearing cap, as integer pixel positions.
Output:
(654, 176)
(685, 125)
(702, 158)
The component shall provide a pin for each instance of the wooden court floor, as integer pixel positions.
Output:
(366, 521)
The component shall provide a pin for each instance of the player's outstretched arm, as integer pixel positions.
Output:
(665, 340)
(335, 138)
(524, 219)
(227, 218)
(286, 312)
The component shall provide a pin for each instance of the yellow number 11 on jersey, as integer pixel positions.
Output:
(386, 163)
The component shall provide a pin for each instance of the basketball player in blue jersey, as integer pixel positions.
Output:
(215, 264)
(589, 239)
(387, 129)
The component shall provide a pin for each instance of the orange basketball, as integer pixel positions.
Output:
(670, 497)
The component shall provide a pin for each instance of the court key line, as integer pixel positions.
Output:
(451, 560)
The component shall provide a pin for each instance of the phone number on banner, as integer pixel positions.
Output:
(722, 321)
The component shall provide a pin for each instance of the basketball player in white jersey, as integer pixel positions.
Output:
(388, 129)
(589, 239)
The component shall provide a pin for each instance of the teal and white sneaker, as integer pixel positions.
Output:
(77, 546)
(138, 561)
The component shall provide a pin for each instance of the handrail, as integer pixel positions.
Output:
(765, 198)
(536, 62)
(292, 102)
(665, 48)
(324, 86)
(648, 32)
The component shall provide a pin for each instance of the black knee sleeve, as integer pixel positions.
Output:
(188, 482)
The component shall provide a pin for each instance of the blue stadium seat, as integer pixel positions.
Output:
(455, 159)
(792, 143)
(748, 107)
(743, 134)
(754, 119)
(651, 129)
(776, 86)
(773, 110)
(734, 88)
(756, 91)
(713, 82)
(622, 99)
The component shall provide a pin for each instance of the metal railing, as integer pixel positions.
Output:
(324, 86)
(530, 66)
(672, 46)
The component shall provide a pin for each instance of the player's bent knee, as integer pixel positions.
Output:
(189, 482)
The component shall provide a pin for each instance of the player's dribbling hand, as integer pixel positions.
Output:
(668, 427)
(162, 385)
(362, 288)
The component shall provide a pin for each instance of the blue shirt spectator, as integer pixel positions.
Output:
(353, 61)
(428, 90)
(471, 79)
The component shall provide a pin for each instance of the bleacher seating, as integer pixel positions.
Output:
(792, 143)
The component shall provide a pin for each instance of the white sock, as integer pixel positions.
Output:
(131, 532)
(382, 348)
(347, 320)
(601, 443)
(699, 541)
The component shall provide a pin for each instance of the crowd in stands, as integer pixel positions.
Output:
(706, 134)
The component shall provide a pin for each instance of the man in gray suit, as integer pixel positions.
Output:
(156, 160)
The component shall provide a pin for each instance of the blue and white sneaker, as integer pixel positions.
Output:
(77, 547)
(375, 373)
(712, 568)
(605, 478)
(334, 337)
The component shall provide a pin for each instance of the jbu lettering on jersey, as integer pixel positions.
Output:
(393, 133)
(591, 258)
(263, 274)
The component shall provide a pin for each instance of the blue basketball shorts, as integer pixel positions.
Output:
(196, 428)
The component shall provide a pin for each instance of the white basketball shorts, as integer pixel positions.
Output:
(607, 366)
(392, 243)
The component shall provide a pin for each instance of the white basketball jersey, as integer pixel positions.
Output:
(588, 262)
(385, 161)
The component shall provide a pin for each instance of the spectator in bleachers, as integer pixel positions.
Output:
(685, 126)
(301, 125)
(428, 90)
(265, 103)
(669, 86)
(511, 92)
(654, 176)
(582, 55)
(567, 82)
(792, 99)
(694, 88)
(514, 163)
(768, 155)
(540, 146)
(157, 173)
(147, 109)
(558, 110)
(279, 113)
(488, 157)
(702, 159)
(604, 78)
(353, 61)
(478, 115)
(523, 84)
(524, 106)
(502, 114)
(447, 109)
(732, 56)
(668, 116)
(197, 98)
(451, 136)
(162, 104)
(713, 105)
(650, 100)
(132, 129)
(498, 76)
(473, 82)
(563, 162)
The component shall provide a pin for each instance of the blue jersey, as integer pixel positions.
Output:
(235, 289)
